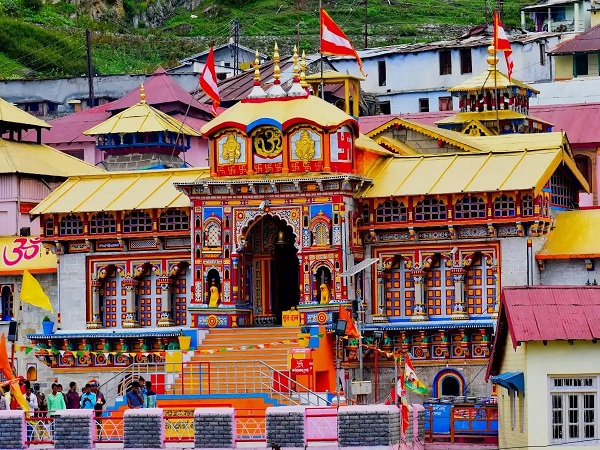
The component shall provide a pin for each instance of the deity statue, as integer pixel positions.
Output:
(325, 293)
(214, 295)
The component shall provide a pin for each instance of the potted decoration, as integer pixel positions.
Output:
(47, 325)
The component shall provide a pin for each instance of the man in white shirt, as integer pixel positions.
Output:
(33, 405)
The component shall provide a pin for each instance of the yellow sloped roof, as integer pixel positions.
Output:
(284, 112)
(467, 172)
(13, 114)
(121, 191)
(39, 159)
(485, 80)
(487, 116)
(399, 146)
(573, 235)
(366, 143)
(517, 141)
(141, 118)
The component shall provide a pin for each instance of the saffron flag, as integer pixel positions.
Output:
(208, 81)
(502, 44)
(351, 330)
(6, 369)
(334, 42)
(411, 381)
(32, 292)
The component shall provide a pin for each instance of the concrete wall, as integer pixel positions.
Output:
(74, 429)
(569, 272)
(72, 291)
(12, 430)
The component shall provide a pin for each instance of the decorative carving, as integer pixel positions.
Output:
(267, 142)
(305, 147)
(231, 149)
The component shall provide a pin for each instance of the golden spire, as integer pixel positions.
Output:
(303, 82)
(256, 69)
(492, 59)
(142, 94)
(276, 69)
(295, 58)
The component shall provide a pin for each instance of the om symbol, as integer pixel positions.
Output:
(267, 142)
(22, 249)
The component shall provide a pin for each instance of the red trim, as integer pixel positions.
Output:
(272, 99)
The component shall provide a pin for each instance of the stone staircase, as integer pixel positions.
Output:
(236, 371)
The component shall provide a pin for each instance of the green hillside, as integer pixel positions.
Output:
(40, 39)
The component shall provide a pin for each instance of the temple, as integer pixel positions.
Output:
(299, 213)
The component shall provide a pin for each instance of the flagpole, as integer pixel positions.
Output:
(396, 377)
(321, 48)
(496, 100)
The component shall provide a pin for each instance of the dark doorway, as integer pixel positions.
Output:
(450, 386)
(285, 273)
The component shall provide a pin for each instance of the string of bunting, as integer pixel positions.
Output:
(29, 348)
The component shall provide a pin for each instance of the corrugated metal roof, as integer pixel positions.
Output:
(36, 159)
(588, 41)
(543, 5)
(10, 113)
(490, 79)
(574, 234)
(489, 172)
(141, 118)
(121, 191)
(549, 313)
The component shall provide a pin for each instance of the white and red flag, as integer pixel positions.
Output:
(334, 42)
(208, 81)
(502, 44)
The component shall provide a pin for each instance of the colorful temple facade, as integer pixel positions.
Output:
(298, 213)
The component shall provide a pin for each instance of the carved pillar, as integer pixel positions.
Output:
(381, 314)
(497, 302)
(235, 279)
(420, 306)
(131, 319)
(96, 317)
(166, 290)
(459, 310)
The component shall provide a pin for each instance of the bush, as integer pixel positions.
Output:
(10, 8)
(34, 5)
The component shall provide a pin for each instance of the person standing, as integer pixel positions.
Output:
(41, 398)
(150, 398)
(134, 397)
(32, 402)
(100, 402)
(5, 391)
(73, 399)
(56, 400)
(88, 398)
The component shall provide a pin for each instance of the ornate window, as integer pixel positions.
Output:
(71, 225)
(103, 223)
(481, 287)
(6, 295)
(430, 209)
(137, 222)
(399, 291)
(504, 206)
(321, 234)
(391, 211)
(212, 234)
(173, 220)
(366, 213)
(439, 290)
(563, 194)
(470, 208)
(527, 205)
(49, 227)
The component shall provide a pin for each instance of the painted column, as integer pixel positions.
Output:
(131, 320)
(523, 20)
(497, 283)
(420, 306)
(235, 279)
(166, 289)
(96, 320)
(576, 16)
(381, 291)
(459, 310)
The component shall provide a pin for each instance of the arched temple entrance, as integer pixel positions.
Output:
(271, 269)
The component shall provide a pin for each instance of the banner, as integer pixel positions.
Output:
(25, 253)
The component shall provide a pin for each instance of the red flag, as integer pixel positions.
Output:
(334, 41)
(351, 330)
(502, 44)
(208, 81)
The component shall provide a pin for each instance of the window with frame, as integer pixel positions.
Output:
(430, 209)
(391, 211)
(381, 72)
(212, 234)
(173, 220)
(470, 208)
(504, 206)
(137, 222)
(321, 234)
(542, 54)
(49, 226)
(445, 62)
(6, 295)
(574, 409)
(103, 223)
(445, 103)
(527, 206)
(423, 105)
(580, 60)
(366, 214)
(466, 63)
(563, 194)
(71, 225)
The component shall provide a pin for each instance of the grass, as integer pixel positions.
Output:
(49, 40)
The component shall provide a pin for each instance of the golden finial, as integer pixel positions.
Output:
(303, 82)
(256, 69)
(295, 58)
(276, 69)
(492, 59)
(142, 94)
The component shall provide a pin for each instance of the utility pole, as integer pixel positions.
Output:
(235, 37)
(90, 75)
(366, 25)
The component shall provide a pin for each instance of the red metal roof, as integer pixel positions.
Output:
(367, 124)
(588, 41)
(549, 313)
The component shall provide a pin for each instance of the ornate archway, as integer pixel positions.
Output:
(271, 269)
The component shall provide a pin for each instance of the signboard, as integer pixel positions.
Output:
(25, 253)
(302, 366)
(290, 318)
